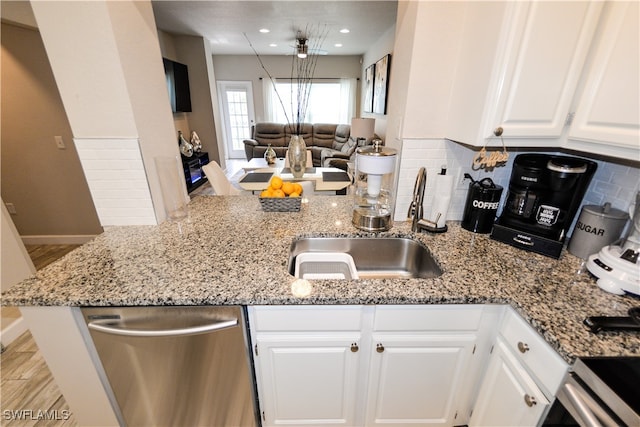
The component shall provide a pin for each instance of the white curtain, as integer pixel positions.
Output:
(269, 97)
(348, 90)
(330, 101)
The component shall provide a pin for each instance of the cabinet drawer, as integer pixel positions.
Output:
(306, 318)
(532, 350)
(428, 318)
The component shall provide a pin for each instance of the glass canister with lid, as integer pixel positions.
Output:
(374, 195)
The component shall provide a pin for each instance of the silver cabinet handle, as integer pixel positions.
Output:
(109, 327)
(530, 400)
(523, 347)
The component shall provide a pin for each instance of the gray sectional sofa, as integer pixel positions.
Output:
(323, 139)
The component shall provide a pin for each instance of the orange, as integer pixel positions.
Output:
(294, 194)
(276, 182)
(297, 188)
(265, 193)
(288, 188)
(278, 193)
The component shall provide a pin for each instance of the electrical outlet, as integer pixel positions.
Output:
(59, 142)
(462, 183)
(11, 208)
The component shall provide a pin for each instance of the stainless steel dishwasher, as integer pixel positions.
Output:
(176, 366)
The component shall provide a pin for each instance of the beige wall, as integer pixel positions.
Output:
(46, 185)
(247, 68)
(194, 52)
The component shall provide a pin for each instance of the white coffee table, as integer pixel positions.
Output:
(258, 179)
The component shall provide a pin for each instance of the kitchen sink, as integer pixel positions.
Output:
(385, 257)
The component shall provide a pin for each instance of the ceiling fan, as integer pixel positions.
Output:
(303, 49)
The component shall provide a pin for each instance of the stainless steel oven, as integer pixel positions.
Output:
(600, 391)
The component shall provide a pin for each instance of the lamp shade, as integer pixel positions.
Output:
(363, 128)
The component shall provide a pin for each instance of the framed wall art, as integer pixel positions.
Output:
(368, 88)
(381, 84)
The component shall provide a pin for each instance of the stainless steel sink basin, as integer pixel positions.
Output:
(384, 257)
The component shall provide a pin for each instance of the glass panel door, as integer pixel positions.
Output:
(236, 105)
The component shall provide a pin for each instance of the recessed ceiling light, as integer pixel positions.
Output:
(273, 45)
(264, 30)
(338, 45)
(344, 30)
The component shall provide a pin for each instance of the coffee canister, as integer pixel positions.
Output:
(481, 207)
(597, 227)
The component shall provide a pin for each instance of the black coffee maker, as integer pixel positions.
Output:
(545, 192)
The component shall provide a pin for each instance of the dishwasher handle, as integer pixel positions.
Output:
(108, 326)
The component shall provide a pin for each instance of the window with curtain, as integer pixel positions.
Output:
(330, 100)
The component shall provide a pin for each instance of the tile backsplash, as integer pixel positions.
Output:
(614, 183)
(117, 181)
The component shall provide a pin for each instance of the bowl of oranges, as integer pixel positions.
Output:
(281, 196)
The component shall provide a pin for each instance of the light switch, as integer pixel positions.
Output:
(60, 142)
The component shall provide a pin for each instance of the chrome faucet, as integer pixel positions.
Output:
(418, 223)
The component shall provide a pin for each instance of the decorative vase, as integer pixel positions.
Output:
(270, 155)
(297, 156)
(185, 147)
(195, 142)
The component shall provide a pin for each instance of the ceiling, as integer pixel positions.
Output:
(225, 23)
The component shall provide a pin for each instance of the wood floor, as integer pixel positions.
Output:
(29, 395)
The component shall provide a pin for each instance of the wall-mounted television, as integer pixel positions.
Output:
(177, 78)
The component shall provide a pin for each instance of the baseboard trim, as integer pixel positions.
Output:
(76, 239)
(13, 331)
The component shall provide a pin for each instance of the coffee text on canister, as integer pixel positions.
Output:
(485, 205)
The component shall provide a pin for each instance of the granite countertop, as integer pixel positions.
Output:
(231, 252)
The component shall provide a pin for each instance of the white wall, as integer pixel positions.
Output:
(379, 49)
(93, 90)
(109, 70)
(16, 264)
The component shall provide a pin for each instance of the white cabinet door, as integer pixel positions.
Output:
(546, 49)
(417, 379)
(508, 395)
(526, 73)
(607, 118)
(309, 379)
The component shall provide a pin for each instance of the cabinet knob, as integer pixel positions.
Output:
(530, 400)
(523, 347)
(379, 348)
(354, 347)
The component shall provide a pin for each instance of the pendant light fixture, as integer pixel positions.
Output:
(302, 47)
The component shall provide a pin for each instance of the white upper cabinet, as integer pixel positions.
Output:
(547, 44)
(607, 117)
(535, 55)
